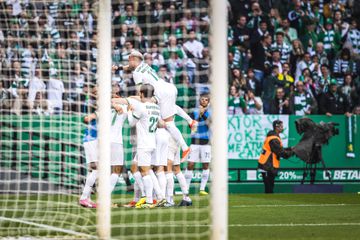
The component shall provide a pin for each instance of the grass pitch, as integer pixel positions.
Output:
(251, 216)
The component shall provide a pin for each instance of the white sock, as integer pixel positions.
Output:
(188, 177)
(138, 179)
(176, 134)
(162, 182)
(183, 185)
(137, 192)
(204, 179)
(148, 184)
(113, 180)
(90, 180)
(170, 187)
(183, 114)
(156, 185)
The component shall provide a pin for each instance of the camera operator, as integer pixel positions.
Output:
(272, 151)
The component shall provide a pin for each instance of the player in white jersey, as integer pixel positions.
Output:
(161, 161)
(165, 94)
(90, 147)
(173, 167)
(162, 148)
(118, 117)
(145, 115)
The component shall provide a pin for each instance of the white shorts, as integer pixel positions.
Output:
(200, 153)
(117, 154)
(167, 99)
(91, 152)
(145, 157)
(173, 152)
(162, 142)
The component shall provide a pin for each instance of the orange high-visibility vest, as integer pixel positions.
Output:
(266, 153)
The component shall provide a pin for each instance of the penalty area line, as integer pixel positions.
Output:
(48, 227)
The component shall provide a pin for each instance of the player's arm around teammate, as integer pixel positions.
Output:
(164, 92)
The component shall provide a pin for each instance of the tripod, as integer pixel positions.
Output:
(311, 166)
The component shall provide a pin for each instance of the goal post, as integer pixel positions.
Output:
(218, 77)
(104, 119)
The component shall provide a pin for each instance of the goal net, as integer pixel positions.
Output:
(49, 52)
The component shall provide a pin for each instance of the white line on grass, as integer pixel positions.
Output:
(179, 225)
(296, 205)
(48, 227)
(294, 225)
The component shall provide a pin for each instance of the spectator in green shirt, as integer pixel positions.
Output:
(289, 32)
(173, 47)
(330, 37)
(186, 97)
(236, 103)
(301, 102)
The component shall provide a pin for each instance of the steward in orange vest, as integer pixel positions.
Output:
(272, 151)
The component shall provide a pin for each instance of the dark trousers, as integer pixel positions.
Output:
(269, 180)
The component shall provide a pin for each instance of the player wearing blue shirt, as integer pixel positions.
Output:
(91, 156)
(200, 145)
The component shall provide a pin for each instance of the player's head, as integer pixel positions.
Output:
(204, 99)
(115, 88)
(135, 58)
(278, 126)
(146, 91)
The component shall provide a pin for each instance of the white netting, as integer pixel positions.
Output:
(48, 56)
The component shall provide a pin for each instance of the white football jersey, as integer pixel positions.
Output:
(117, 123)
(144, 74)
(146, 115)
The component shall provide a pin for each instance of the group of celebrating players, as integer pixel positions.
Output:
(158, 141)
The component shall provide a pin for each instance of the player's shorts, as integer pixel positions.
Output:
(117, 154)
(162, 142)
(167, 99)
(173, 152)
(145, 157)
(200, 153)
(91, 151)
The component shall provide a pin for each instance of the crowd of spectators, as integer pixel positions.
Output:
(285, 56)
(294, 57)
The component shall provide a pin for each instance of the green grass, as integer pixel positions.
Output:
(251, 216)
(314, 216)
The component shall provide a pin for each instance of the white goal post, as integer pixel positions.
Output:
(218, 53)
(104, 110)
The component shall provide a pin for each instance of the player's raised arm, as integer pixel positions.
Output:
(135, 97)
(125, 68)
(135, 111)
(123, 101)
(132, 117)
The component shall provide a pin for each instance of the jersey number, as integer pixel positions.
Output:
(153, 124)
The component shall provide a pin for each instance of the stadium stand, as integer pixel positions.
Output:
(48, 53)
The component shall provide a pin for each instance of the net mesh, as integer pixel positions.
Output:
(48, 71)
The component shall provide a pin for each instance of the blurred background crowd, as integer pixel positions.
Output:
(285, 56)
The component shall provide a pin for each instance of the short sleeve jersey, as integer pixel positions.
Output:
(148, 115)
(144, 74)
(117, 123)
